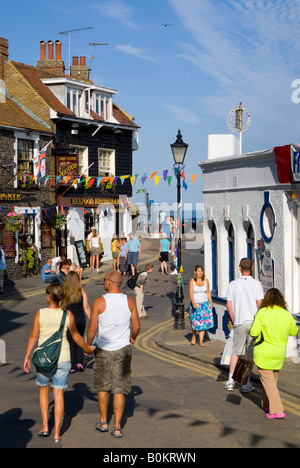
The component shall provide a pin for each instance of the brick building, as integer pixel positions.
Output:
(91, 146)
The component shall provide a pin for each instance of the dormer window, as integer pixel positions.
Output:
(73, 96)
(102, 105)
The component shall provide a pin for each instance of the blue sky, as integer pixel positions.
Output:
(188, 76)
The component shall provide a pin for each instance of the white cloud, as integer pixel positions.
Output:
(183, 115)
(135, 51)
(120, 11)
(249, 48)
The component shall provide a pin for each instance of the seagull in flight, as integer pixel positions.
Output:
(166, 24)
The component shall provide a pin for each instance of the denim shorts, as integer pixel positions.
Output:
(59, 379)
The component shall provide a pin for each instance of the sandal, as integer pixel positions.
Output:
(117, 433)
(99, 426)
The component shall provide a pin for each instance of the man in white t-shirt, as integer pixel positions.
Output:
(244, 298)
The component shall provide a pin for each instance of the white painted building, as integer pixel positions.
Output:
(251, 209)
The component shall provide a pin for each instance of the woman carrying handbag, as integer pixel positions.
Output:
(46, 322)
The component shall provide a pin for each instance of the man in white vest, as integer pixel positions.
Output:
(244, 298)
(116, 319)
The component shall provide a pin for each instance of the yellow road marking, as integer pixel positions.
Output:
(142, 343)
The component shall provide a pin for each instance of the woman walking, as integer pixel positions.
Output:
(95, 249)
(45, 324)
(76, 300)
(272, 326)
(201, 316)
(123, 256)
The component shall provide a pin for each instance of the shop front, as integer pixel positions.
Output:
(108, 214)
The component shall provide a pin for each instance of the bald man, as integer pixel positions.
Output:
(115, 317)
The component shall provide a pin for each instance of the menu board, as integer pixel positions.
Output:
(81, 253)
(8, 242)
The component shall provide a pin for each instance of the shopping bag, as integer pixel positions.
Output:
(243, 370)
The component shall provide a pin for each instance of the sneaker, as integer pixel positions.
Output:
(80, 368)
(229, 386)
(275, 416)
(247, 388)
(174, 272)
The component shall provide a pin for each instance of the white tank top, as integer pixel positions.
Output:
(200, 293)
(95, 242)
(114, 323)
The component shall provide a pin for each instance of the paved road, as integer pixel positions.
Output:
(175, 401)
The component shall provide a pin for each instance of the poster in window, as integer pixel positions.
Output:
(81, 253)
(46, 236)
(8, 242)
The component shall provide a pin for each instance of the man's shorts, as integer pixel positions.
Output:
(113, 370)
(132, 258)
(240, 335)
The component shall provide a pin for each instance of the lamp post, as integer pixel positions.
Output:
(179, 149)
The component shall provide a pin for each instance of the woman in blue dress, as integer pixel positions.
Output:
(201, 315)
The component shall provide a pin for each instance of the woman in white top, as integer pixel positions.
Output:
(201, 315)
(95, 249)
(47, 322)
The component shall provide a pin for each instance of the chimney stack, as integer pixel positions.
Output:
(51, 64)
(3, 56)
(80, 69)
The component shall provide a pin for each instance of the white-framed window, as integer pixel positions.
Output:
(106, 162)
(73, 98)
(102, 106)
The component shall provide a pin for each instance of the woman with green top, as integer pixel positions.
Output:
(272, 326)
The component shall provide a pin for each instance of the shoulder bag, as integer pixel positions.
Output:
(45, 356)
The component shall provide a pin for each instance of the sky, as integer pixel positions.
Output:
(178, 65)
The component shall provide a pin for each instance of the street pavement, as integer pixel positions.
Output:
(177, 341)
(169, 340)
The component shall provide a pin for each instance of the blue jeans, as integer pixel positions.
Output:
(50, 279)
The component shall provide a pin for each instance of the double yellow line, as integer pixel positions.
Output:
(144, 343)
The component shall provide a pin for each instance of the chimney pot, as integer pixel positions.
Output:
(50, 51)
(42, 50)
(75, 61)
(82, 61)
(58, 49)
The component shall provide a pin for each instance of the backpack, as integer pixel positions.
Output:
(45, 356)
(131, 283)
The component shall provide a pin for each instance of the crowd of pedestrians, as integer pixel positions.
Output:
(113, 323)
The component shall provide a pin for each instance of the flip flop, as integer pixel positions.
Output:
(118, 434)
(99, 426)
(43, 434)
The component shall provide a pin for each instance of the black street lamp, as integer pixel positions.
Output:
(179, 149)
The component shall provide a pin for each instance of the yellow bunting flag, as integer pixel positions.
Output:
(132, 179)
(194, 177)
(157, 180)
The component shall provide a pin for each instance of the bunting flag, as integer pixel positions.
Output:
(169, 178)
(153, 174)
(73, 180)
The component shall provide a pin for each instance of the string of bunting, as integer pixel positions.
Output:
(90, 181)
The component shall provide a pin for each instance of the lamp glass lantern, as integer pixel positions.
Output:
(179, 149)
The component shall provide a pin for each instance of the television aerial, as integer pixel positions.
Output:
(69, 33)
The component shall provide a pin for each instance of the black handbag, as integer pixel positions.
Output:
(45, 356)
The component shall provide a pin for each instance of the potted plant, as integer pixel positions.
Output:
(13, 222)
